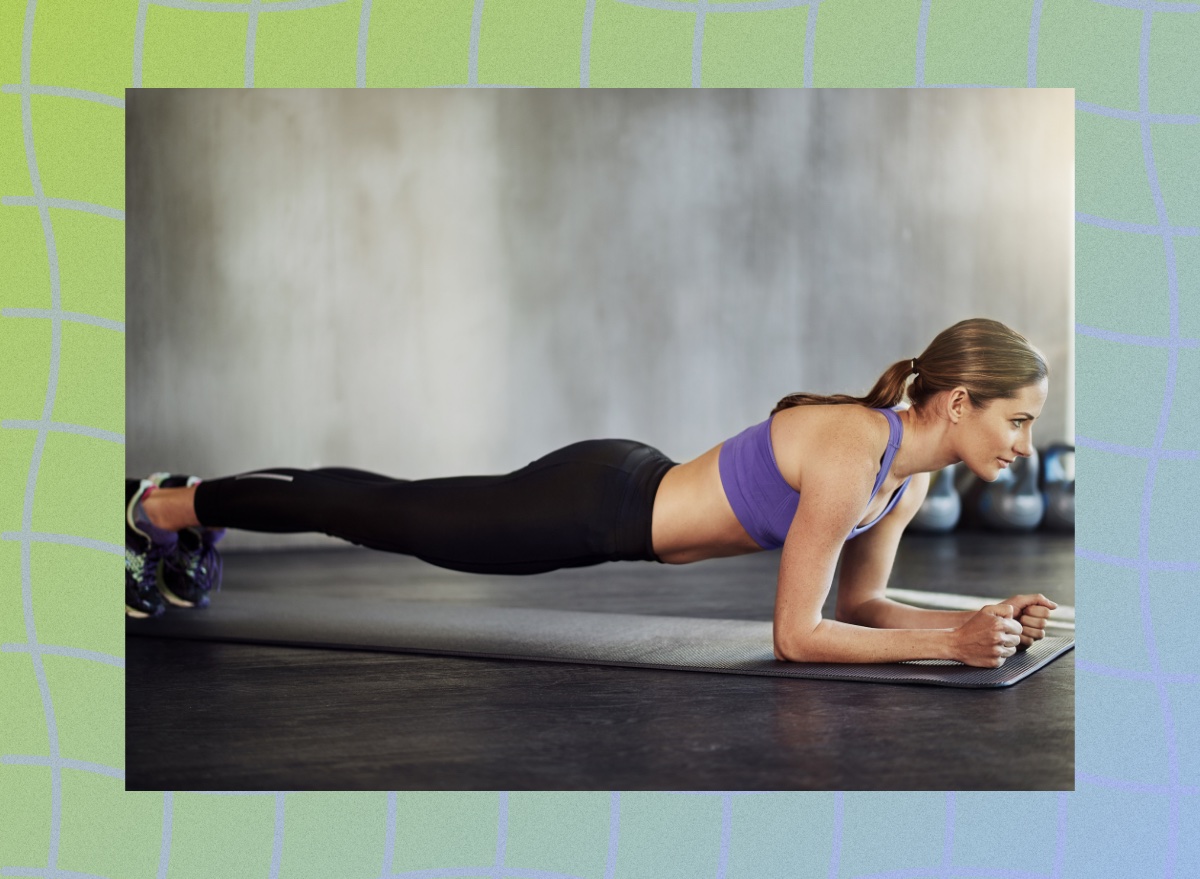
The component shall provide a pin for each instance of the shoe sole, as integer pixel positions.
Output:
(132, 611)
(141, 489)
(166, 591)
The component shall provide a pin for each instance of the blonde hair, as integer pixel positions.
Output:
(989, 359)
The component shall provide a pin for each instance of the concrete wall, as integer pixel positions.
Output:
(457, 281)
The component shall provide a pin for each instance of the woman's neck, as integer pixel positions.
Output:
(925, 446)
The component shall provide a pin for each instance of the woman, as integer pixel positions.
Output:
(823, 477)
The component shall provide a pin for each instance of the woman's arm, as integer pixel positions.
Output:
(883, 613)
(836, 642)
(833, 497)
(831, 503)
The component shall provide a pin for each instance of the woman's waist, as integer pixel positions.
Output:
(693, 518)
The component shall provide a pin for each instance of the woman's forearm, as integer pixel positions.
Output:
(833, 641)
(883, 613)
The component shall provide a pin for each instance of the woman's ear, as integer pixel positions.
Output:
(958, 401)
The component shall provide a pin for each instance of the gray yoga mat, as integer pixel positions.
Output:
(684, 643)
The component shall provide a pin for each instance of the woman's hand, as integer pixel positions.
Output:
(988, 638)
(1031, 612)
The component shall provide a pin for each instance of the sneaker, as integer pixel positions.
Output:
(145, 547)
(188, 574)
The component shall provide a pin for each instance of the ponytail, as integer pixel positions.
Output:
(888, 392)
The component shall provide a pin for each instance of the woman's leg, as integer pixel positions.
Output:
(174, 508)
(585, 504)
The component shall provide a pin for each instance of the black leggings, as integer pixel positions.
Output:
(588, 503)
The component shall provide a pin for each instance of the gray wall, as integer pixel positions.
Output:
(438, 282)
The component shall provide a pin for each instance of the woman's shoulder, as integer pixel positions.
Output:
(849, 422)
(843, 436)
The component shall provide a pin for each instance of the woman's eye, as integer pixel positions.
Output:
(1017, 423)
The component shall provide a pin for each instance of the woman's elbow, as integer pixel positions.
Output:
(797, 636)
(864, 611)
(783, 652)
(794, 648)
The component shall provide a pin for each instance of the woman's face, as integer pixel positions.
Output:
(990, 438)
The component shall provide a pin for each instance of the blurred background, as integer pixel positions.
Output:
(444, 282)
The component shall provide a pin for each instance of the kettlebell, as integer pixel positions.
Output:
(1013, 502)
(1058, 487)
(942, 507)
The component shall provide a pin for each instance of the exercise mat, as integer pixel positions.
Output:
(443, 628)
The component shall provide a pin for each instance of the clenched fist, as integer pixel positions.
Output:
(988, 638)
(1031, 612)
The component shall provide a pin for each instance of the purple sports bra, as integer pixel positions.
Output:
(762, 500)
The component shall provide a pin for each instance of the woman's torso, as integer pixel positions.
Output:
(693, 518)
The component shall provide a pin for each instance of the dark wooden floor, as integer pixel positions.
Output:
(210, 716)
